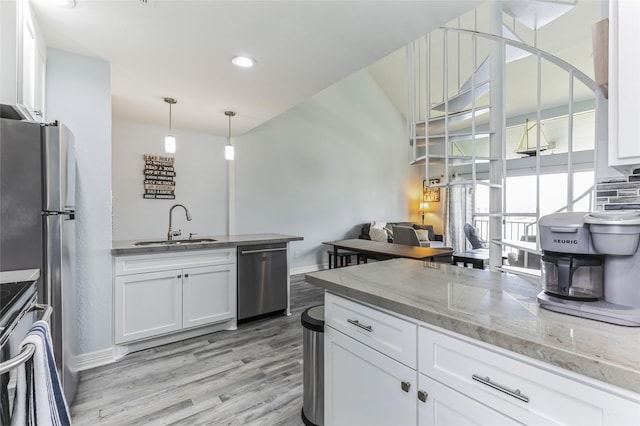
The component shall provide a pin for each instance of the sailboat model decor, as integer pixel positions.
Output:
(524, 147)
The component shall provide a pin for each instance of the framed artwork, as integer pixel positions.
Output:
(430, 194)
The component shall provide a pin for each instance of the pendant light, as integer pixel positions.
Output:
(228, 150)
(169, 140)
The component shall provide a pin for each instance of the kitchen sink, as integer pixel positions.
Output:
(173, 242)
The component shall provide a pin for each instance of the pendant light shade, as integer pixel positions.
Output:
(170, 144)
(170, 140)
(229, 153)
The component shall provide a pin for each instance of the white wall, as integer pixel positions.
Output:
(78, 94)
(319, 170)
(324, 167)
(201, 183)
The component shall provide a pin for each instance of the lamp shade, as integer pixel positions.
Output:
(424, 207)
(170, 140)
(170, 144)
(229, 152)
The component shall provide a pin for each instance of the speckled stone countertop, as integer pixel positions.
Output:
(496, 308)
(221, 241)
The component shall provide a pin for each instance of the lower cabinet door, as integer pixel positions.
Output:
(442, 406)
(147, 305)
(365, 387)
(209, 295)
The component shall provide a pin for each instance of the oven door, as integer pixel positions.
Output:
(10, 342)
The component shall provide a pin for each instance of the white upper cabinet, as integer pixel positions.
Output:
(624, 82)
(22, 67)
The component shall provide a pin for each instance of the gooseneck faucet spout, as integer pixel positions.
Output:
(177, 233)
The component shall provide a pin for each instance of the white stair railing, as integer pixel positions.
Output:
(448, 139)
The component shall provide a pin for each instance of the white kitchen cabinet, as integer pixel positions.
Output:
(208, 295)
(365, 387)
(624, 83)
(23, 62)
(158, 294)
(517, 388)
(147, 305)
(460, 380)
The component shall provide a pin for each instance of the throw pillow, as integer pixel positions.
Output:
(423, 234)
(377, 232)
(429, 229)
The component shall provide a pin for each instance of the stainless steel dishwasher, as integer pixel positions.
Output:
(262, 279)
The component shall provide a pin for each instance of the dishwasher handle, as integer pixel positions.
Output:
(262, 250)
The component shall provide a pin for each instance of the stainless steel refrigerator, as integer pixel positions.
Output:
(37, 225)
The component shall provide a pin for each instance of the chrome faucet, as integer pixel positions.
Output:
(177, 233)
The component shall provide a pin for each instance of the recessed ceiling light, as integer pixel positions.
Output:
(63, 3)
(243, 61)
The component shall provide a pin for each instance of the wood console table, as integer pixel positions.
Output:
(382, 251)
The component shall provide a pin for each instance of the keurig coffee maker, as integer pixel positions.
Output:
(591, 265)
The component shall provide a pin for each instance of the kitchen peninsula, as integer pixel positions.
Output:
(170, 290)
(467, 344)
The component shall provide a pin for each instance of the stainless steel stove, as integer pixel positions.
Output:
(16, 299)
(18, 295)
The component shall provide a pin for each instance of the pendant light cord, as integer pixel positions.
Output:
(229, 114)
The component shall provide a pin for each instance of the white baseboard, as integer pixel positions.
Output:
(95, 359)
(309, 268)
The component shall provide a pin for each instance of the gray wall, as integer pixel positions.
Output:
(201, 183)
(78, 94)
(324, 167)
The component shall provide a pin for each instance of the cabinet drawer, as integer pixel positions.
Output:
(141, 263)
(516, 387)
(444, 406)
(393, 336)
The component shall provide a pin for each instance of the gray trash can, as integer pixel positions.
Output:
(313, 366)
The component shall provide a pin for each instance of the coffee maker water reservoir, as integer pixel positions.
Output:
(573, 276)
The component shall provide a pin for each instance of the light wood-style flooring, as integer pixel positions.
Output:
(249, 376)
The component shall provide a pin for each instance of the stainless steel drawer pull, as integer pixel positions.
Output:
(357, 324)
(422, 395)
(405, 386)
(487, 381)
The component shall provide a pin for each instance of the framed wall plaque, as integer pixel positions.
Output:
(430, 194)
(159, 174)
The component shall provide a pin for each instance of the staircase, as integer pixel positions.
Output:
(452, 138)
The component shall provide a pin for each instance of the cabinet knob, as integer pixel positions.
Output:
(422, 395)
(405, 386)
(186, 275)
(179, 276)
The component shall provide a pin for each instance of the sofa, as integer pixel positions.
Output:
(383, 231)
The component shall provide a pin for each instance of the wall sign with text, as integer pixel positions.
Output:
(159, 177)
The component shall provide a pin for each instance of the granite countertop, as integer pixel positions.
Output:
(496, 308)
(221, 241)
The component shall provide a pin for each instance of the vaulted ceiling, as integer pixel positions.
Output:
(183, 49)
